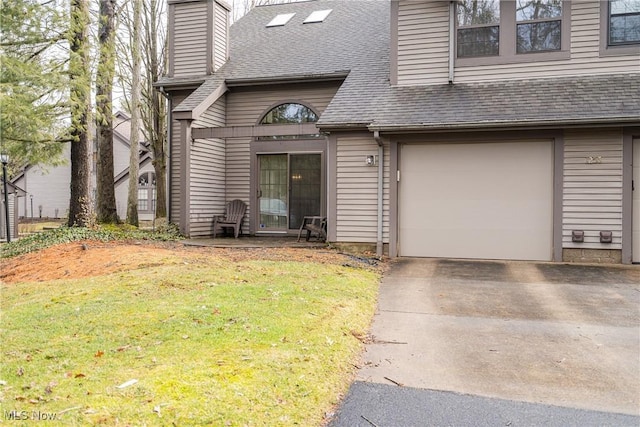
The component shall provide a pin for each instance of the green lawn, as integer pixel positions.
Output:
(208, 342)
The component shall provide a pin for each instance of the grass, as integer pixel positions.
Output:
(28, 227)
(209, 343)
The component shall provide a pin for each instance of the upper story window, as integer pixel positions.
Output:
(538, 25)
(478, 28)
(289, 113)
(493, 32)
(624, 22)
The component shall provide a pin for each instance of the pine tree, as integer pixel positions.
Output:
(32, 82)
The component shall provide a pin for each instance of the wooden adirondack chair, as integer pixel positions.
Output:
(232, 218)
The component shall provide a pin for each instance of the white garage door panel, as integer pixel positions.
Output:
(477, 200)
(635, 218)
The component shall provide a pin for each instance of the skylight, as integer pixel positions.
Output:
(280, 20)
(317, 16)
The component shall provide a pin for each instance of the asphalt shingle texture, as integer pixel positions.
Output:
(354, 39)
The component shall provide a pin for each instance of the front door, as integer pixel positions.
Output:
(289, 188)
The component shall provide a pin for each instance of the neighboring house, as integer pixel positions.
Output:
(48, 188)
(146, 175)
(419, 128)
(14, 194)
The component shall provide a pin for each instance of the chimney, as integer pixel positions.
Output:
(198, 36)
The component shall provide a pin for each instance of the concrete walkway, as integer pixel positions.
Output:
(248, 242)
(480, 334)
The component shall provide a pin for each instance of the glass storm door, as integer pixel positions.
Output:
(289, 189)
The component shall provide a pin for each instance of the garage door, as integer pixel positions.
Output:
(490, 200)
(635, 218)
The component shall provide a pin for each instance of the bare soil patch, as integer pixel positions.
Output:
(92, 258)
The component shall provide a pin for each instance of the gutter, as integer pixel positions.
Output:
(379, 242)
(501, 125)
(167, 190)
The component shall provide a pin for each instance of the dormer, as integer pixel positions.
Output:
(198, 37)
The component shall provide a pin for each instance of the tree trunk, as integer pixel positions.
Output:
(106, 196)
(134, 158)
(80, 212)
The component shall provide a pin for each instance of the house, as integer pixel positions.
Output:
(48, 188)
(146, 172)
(14, 194)
(419, 128)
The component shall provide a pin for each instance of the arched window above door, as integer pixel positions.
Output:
(289, 113)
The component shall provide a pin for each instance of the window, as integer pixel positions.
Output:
(478, 28)
(500, 32)
(280, 20)
(538, 26)
(317, 16)
(624, 22)
(147, 192)
(289, 114)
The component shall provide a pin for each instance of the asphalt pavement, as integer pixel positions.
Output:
(457, 342)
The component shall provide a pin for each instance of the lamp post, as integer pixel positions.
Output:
(5, 159)
(31, 197)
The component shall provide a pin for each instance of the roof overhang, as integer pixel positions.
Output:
(285, 79)
(254, 131)
(172, 84)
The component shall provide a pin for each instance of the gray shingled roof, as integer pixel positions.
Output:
(592, 99)
(353, 36)
(355, 39)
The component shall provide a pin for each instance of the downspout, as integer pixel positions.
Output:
(452, 34)
(167, 190)
(379, 243)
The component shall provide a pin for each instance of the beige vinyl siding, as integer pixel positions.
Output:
(207, 189)
(175, 176)
(190, 45)
(238, 174)
(423, 42)
(592, 199)
(357, 191)
(220, 36)
(245, 108)
(423, 49)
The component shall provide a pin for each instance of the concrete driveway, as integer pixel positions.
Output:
(534, 333)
